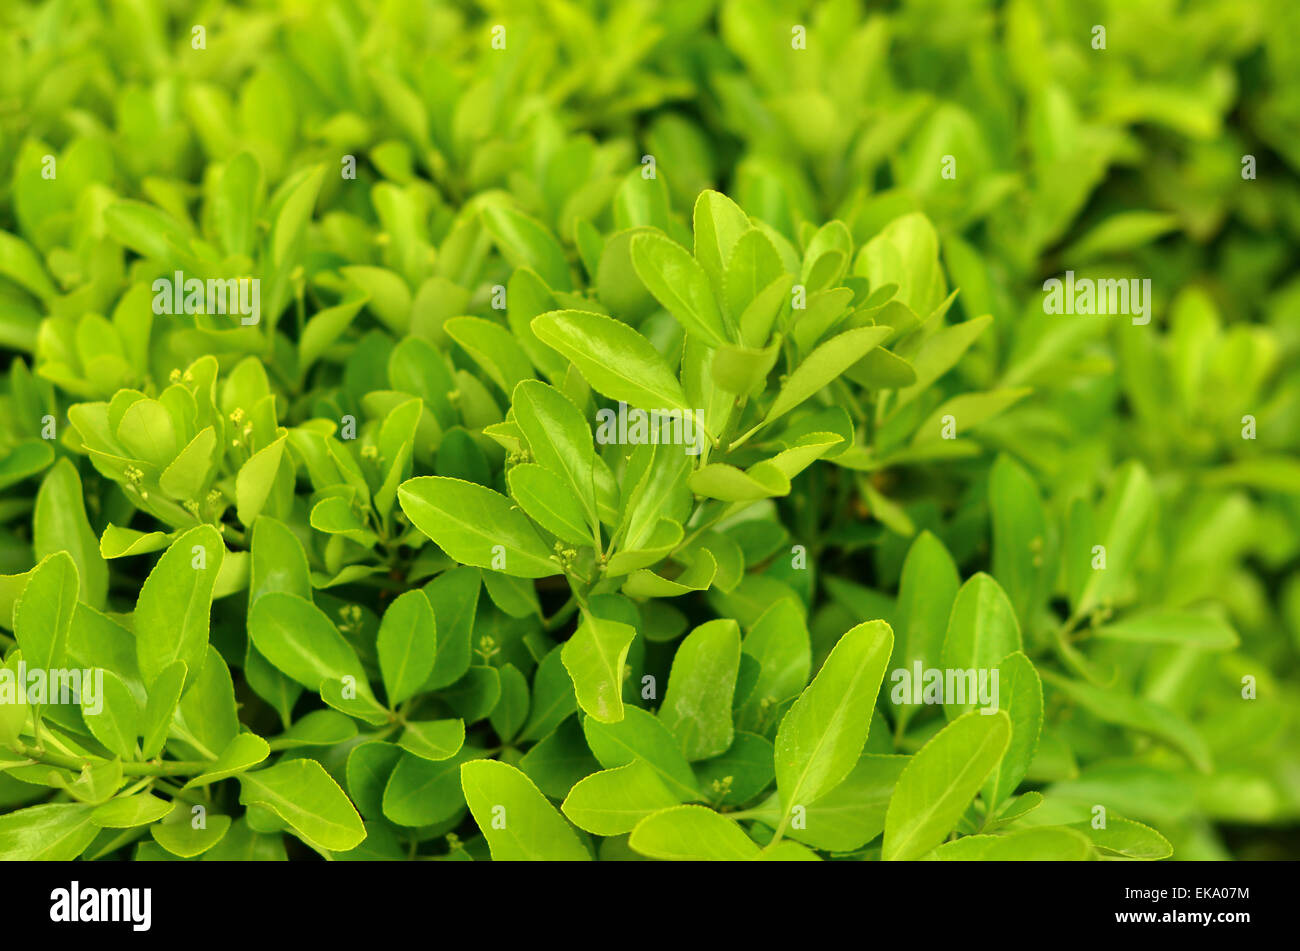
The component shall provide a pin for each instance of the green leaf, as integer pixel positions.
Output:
(752, 268)
(613, 801)
(164, 695)
(96, 782)
(719, 224)
(553, 696)
(242, 844)
(938, 784)
(560, 439)
(235, 204)
(968, 410)
(741, 773)
(982, 630)
(130, 811)
(718, 480)
(279, 562)
(60, 524)
(433, 739)
(300, 640)
(370, 766)
(24, 460)
(821, 736)
(57, 832)
(1021, 696)
(181, 834)
(616, 360)
(302, 794)
(515, 818)
(476, 694)
(494, 348)
(697, 703)
(692, 833)
(1181, 628)
(1266, 473)
(779, 643)
(851, 814)
(1121, 529)
(385, 293)
(938, 354)
(906, 252)
(1136, 713)
(525, 242)
(20, 263)
(407, 645)
(43, 614)
(476, 526)
(559, 760)
(822, 366)
(242, 753)
(1119, 232)
(255, 480)
(300, 198)
(207, 716)
(187, 475)
(549, 501)
(756, 320)
(926, 592)
(680, 285)
(787, 851)
(742, 370)
(147, 432)
(422, 792)
(454, 597)
(112, 717)
(1027, 845)
(1019, 536)
(508, 715)
(641, 735)
(697, 576)
(324, 329)
(594, 657)
(145, 229)
(1126, 838)
(318, 728)
(171, 613)
(118, 542)
(14, 711)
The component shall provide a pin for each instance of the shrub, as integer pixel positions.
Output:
(646, 430)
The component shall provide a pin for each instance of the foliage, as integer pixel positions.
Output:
(364, 574)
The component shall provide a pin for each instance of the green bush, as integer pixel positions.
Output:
(565, 430)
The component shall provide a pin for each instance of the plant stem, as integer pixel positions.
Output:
(169, 768)
(563, 614)
(744, 439)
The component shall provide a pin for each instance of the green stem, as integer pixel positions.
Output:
(143, 784)
(744, 439)
(563, 614)
(780, 831)
(726, 511)
(169, 768)
(1061, 642)
(185, 795)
